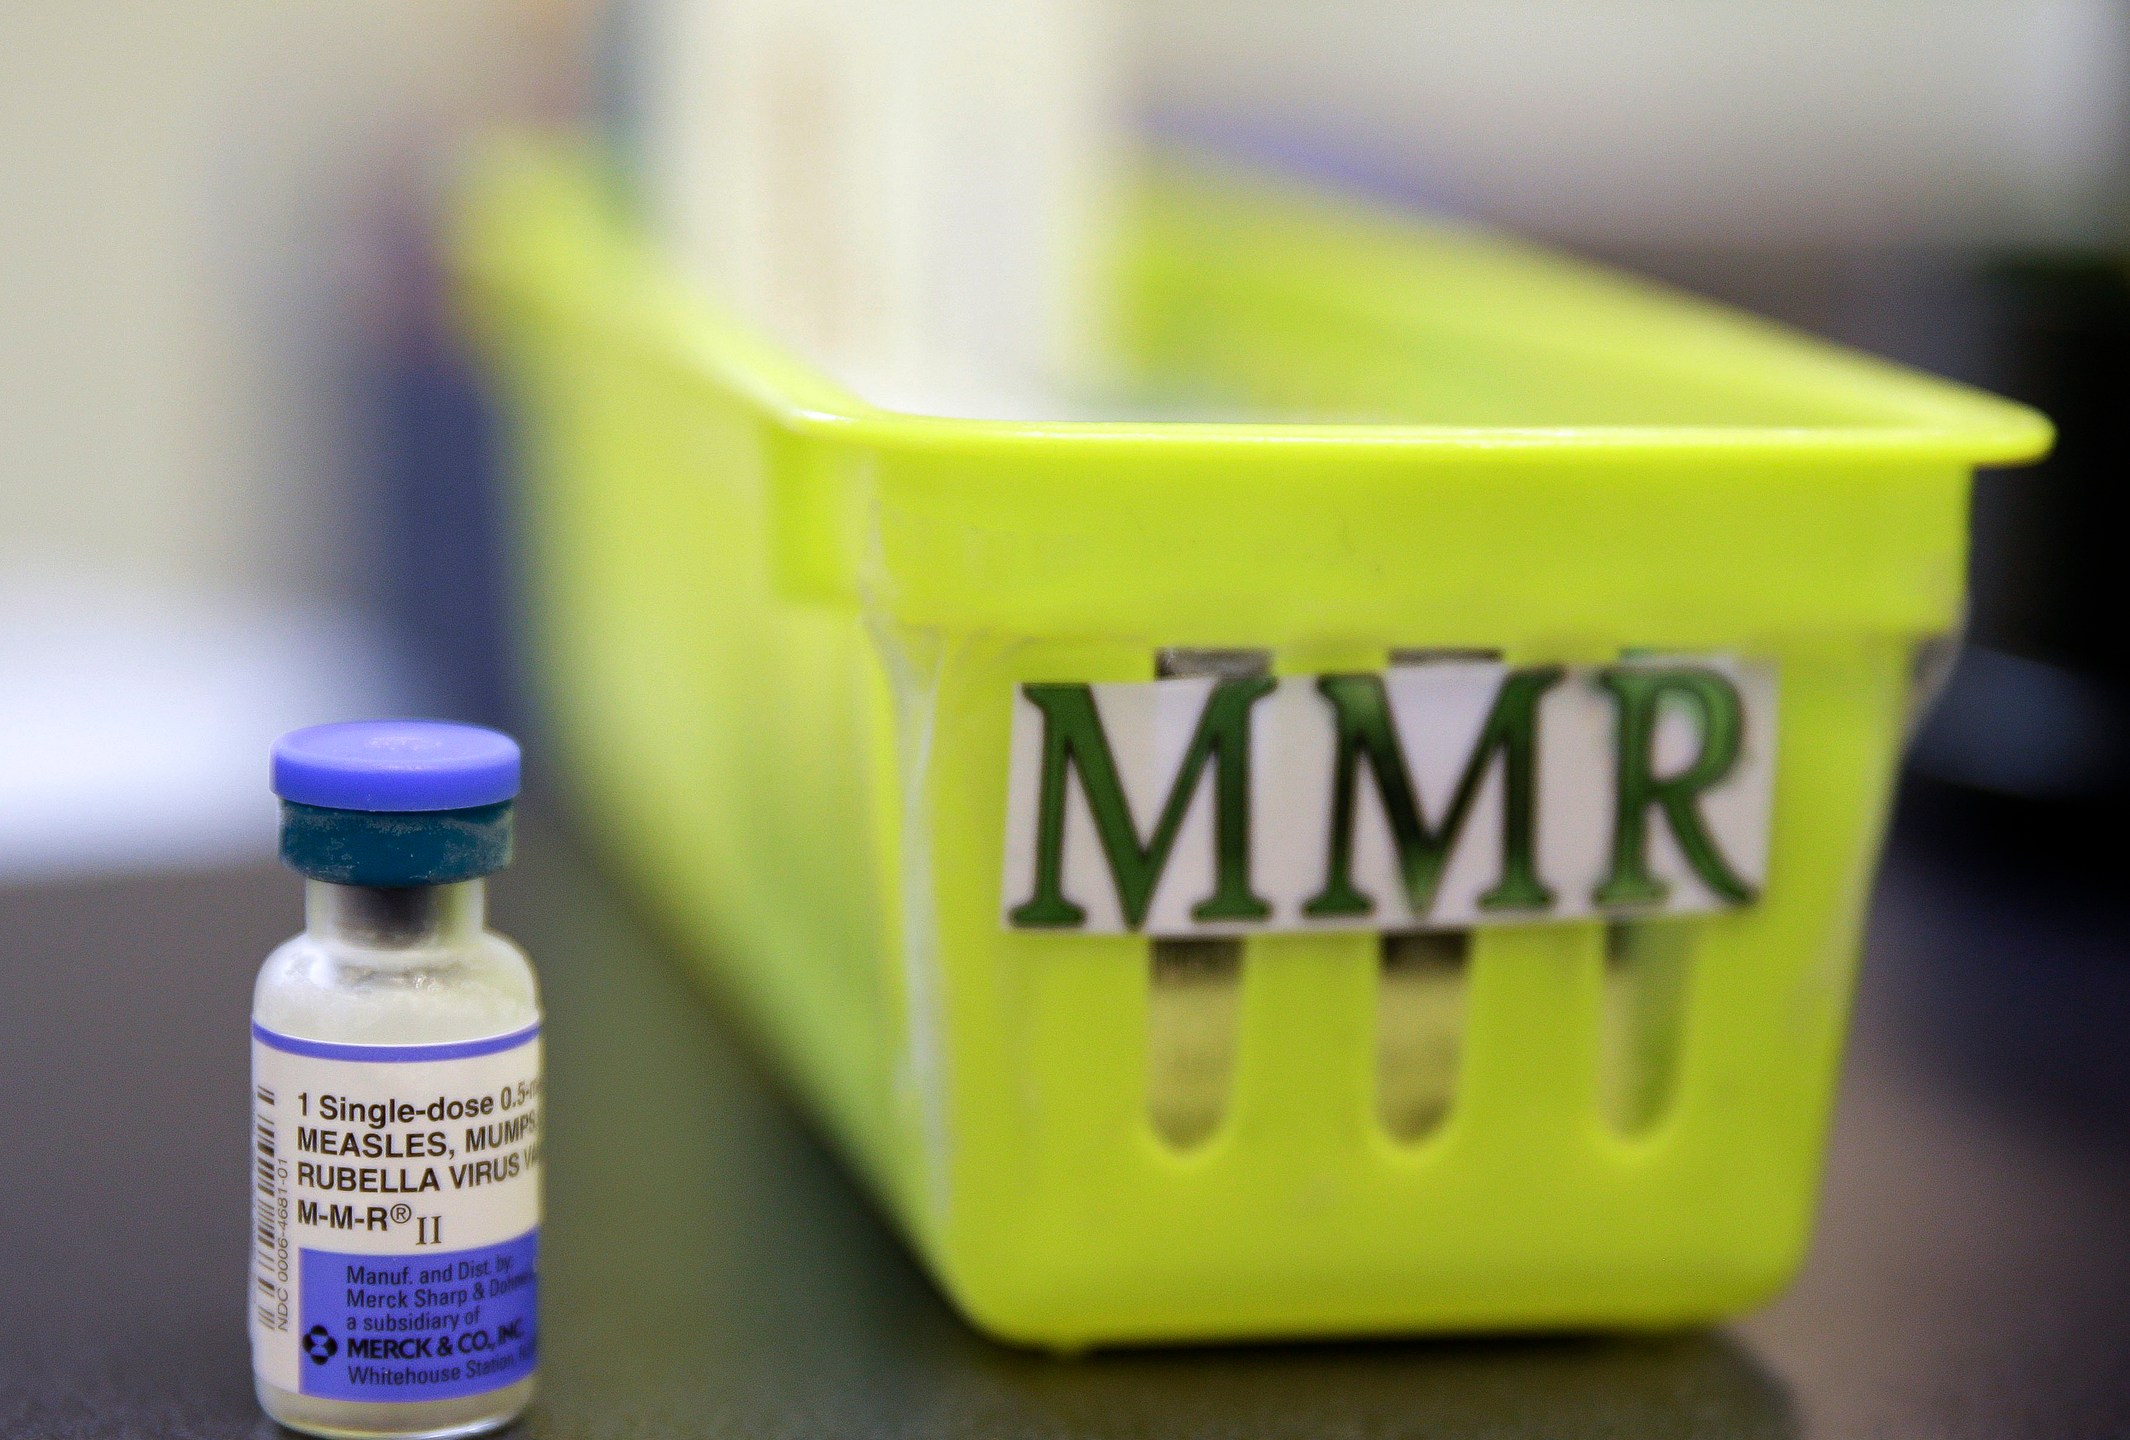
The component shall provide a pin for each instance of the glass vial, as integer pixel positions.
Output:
(395, 1095)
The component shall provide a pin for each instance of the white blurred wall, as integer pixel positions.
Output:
(197, 211)
(189, 188)
(1718, 122)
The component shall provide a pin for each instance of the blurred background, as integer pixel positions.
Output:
(248, 478)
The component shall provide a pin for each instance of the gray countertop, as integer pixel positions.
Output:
(708, 1270)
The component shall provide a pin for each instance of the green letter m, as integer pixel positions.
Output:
(1366, 730)
(1073, 739)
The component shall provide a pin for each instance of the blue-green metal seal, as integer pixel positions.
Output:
(395, 849)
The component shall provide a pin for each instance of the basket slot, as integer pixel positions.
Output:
(1420, 999)
(1194, 986)
(1420, 1018)
(1191, 1020)
(1648, 970)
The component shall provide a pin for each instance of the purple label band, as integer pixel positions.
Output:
(395, 1054)
(420, 1325)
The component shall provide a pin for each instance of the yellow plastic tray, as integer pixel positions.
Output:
(779, 633)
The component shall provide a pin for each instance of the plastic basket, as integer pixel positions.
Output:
(780, 632)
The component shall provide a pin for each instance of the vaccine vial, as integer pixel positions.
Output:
(395, 1095)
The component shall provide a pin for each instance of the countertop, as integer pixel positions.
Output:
(709, 1271)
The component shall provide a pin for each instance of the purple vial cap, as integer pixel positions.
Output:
(396, 765)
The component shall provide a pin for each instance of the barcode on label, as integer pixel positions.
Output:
(267, 1226)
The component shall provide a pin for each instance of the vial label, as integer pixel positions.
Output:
(397, 1209)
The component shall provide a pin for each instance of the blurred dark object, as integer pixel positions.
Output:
(2034, 736)
(443, 528)
(2018, 777)
(2018, 979)
(2053, 542)
(2026, 749)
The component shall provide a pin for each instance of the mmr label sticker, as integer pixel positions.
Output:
(1437, 795)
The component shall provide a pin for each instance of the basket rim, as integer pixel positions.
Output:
(535, 220)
